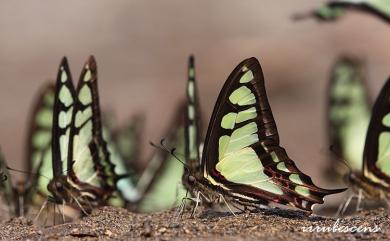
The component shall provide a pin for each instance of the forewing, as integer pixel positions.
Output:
(376, 163)
(64, 99)
(89, 159)
(192, 123)
(242, 155)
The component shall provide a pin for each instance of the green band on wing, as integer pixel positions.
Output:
(65, 96)
(229, 120)
(247, 114)
(281, 166)
(85, 95)
(191, 112)
(242, 96)
(386, 120)
(304, 191)
(383, 162)
(248, 76)
(65, 118)
(83, 116)
(87, 76)
(242, 137)
(244, 167)
(191, 73)
(295, 179)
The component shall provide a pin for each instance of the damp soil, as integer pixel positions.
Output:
(109, 223)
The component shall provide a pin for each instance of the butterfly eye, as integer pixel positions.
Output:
(59, 185)
(191, 180)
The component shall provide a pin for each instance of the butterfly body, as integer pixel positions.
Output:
(242, 159)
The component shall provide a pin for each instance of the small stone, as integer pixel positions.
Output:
(162, 230)
(108, 233)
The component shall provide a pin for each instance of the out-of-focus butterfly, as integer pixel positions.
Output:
(33, 190)
(242, 160)
(160, 181)
(334, 9)
(361, 141)
(348, 114)
(85, 167)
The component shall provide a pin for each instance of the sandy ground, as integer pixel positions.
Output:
(110, 223)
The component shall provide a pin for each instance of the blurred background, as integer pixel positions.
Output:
(142, 48)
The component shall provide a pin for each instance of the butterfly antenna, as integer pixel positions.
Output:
(341, 159)
(26, 172)
(171, 151)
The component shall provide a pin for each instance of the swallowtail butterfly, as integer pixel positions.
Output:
(242, 160)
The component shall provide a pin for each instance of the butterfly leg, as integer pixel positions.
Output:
(346, 204)
(54, 213)
(40, 210)
(197, 201)
(79, 204)
(224, 200)
(63, 211)
(359, 200)
(181, 206)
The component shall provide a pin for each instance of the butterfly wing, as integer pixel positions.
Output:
(89, 165)
(242, 155)
(348, 112)
(376, 158)
(192, 123)
(38, 145)
(64, 99)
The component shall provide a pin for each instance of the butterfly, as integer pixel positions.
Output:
(361, 138)
(336, 8)
(83, 172)
(348, 112)
(33, 190)
(242, 160)
(160, 180)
